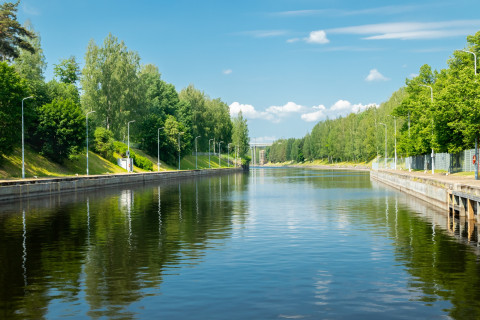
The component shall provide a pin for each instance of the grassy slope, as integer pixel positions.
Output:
(37, 165)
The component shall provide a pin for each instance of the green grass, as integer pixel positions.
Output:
(39, 166)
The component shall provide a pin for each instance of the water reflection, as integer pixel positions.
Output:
(278, 243)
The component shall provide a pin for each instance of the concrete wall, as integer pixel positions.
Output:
(428, 190)
(10, 190)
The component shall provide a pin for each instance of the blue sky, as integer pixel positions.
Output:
(286, 63)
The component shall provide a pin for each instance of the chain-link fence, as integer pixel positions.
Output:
(459, 162)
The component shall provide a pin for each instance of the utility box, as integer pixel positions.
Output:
(126, 163)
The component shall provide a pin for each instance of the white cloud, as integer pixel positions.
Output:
(339, 108)
(293, 40)
(284, 110)
(264, 33)
(374, 75)
(272, 113)
(248, 110)
(227, 71)
(314, 115)
(412, 30)
(318, 36)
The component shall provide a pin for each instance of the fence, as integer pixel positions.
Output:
(459, 162)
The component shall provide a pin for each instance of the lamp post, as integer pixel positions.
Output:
(433, 154)
(196, 153)
(476, 136)
(209, 164)
(383, 124)
(219, 153)
(236, 154)
(23, 142)
(228, 155)
(128, 151)
(87, 137)
(179, 134)
(158, 148)
(395, 129)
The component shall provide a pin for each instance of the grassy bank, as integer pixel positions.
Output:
(39, 166)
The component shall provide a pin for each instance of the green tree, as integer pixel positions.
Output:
(111, 85)
(104, 143)
(68, 70)
(13, 36)
(61, 129)
(240, 136)
(12, 90)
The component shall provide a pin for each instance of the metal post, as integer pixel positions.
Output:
(383, 124)
(219, 153)
(128, 137)
(179, 134)
(196, 153)
(158, 148)
(87, 137)
(23, 142)
(228, 155)
(433, 153)
(209, 163)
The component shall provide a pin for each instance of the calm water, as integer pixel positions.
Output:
(272, 244)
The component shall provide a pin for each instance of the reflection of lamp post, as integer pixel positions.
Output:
(209, 164)
(23, 143)
(87, 137)
(158, 148)
(383, 124)
(219, 153)
(196, 153)
(433, 154)
(128, 136)
(476, 136)
(179, 134)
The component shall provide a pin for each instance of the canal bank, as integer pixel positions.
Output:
(459, 194)
(18, 189)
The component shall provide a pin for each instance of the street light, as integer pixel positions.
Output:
(383, 124)
(228, 155)
(219, 153)
(158, 148)
(87, 137)
(395, 129)
(209, 164)
(179, 134)
(433, 154)
(128, 151)
(196, 152)
(23, 142)
(476, 137)
(236, 153)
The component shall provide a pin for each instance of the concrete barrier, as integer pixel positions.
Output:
(17, 189)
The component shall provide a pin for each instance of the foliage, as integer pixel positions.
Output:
(104, 143)
(240, 136)
(68, 70)
(12, 35)
(61, 129)
(12, 90)
(110, 83)
(141, 162)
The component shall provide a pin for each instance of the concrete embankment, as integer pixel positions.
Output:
(17, 189)
(450, 193)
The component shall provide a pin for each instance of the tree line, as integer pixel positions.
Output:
(117, 87)
(437, 110)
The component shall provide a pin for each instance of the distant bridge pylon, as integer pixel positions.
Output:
(259, 145)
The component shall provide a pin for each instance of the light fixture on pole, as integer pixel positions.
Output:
(130, 168)
(196, 153)
(158, 148)
(209, 164)
(23, 142)
(433, 153)
(383, 124)
(179, 134)
(87, 137)
(219, 153)
(228, 155)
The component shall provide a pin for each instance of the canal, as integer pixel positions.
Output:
(269, 244)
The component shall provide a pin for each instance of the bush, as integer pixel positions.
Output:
(104, 143)
(141, 162)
